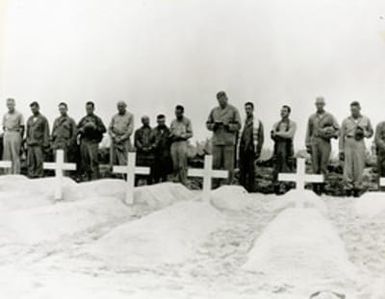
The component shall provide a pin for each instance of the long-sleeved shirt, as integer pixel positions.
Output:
(143, 138)
(285, 129)
(225, 124)
(379, 138)
(252, 136)
(319, 124)
(181, 130)
(91, 128)
(349, 127)
(63, 132)
(37, 131)
(122, 126)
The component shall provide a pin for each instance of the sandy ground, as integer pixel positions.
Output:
(170, 245)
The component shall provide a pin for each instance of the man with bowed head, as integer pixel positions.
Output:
(90, 131)
(120, 130)
(225, 122)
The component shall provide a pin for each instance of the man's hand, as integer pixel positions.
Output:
(342, 156)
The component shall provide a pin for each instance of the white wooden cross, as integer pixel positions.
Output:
(59, 166)
(382, 182)
(5, 164)
(130, 170)
(208, 174)
(301, 178)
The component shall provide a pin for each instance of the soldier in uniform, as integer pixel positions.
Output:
(64, 133)
(322, 127)
(13, 126)
(37, 141)
(120, 130)
(144, 146)
(282, 134)
(225, 122)
(250, 147)
(162, 166)
(379, 140)
(180, 132)
(354, 130)
(90, 130)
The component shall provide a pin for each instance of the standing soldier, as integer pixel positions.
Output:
(379, 141)
(180, 132)
(250, 147)
(283, 135)
(37, 141)
(143, 145)
(352, 148)
(120, 130)
(90, 131)
(13, 126)
(162, 166)
(322, 127)
(225, 122)
(64, 132)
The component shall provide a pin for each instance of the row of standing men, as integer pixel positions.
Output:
(164, 148)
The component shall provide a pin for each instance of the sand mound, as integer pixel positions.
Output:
(295, 199)
(19, 192)
(161, 195)
(370, 204)
(231, 198)
(169, 236)
(50, 223)
(301, 247)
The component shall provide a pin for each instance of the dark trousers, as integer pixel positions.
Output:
(247, 170)
(35, 158)
(89, 158)
(381, 166)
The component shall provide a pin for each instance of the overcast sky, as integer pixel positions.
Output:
(158, 53)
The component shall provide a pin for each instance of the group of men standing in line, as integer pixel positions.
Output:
(164, 149)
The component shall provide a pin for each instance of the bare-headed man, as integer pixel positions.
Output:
(64, 132)
(120, 130)
(225, 122)
(354, 130)
(37, 141)
(322, 127)
(91, 130)
(13, 126)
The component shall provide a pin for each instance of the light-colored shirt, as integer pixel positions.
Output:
(181, 128)
(13, 121)
(318, 123)
(122, 125)
(225, 124)
(349, 127)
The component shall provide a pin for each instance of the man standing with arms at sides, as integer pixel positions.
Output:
(120, 130)
(322, 127)
(143, 145)
(180, 132)
(379, 141)
(64, 132)
(225, 122)
(90, 130)
(162, 166)
(250, 147)
(37, 141)
(283, 135)
(13, 126)
(354, 130)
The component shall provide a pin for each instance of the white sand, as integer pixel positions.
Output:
(171, 245)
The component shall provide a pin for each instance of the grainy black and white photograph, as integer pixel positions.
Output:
(192, 149)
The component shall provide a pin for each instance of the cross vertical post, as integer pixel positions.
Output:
(59, 166)
(130, 170)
